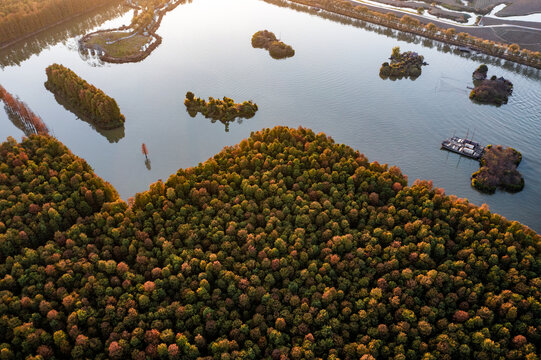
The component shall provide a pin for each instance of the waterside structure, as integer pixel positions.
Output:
(463, 146)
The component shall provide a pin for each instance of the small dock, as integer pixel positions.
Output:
(464, 147)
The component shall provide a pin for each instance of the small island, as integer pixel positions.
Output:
(498, 169)
(265, 39)
(226, 110)
(406, 64)
(83, 99)
(494, 91)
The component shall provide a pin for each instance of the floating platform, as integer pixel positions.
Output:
(463, 147)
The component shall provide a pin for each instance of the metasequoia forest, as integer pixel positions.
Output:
(285, 246)
(86, 100)
(19, 18)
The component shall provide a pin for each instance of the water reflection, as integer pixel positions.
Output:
(193, 114)
(22, 50)
(112, 135)
(25, 127)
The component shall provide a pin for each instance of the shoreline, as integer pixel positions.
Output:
(6, 45)
(410, 23)
(103, 56)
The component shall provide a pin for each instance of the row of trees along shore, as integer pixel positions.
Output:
(87, 100)
(29, 122)
(511, 52)
(21, 18)
(285, 246)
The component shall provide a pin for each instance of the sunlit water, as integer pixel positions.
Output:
(331, 85)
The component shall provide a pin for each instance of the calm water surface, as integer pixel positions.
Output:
(332, 84)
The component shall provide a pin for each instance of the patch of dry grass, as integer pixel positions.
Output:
(123, 44)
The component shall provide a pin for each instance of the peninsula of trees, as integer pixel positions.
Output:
(284, 246)
(226, 110)
(21, 18)
(490, 91)
(87, 101)
(406, 64)
(265, 39)
(499, 169)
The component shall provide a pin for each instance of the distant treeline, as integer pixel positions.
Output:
(79, 25)
(20, 18)
(406, 23)
(89, 101)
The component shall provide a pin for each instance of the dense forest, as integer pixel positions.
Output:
(286, 246)
(19, 18)
(87, 101)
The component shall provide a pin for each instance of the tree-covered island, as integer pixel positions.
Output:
(265, 39)
(494, 91)
(84, 99)
(225, 110)
(406, 64)
(499, 170)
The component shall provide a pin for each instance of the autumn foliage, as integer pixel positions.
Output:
(44, 189)
(286, 246)
(86, 100)
(20, 18)
(265, 39)
(225, 110)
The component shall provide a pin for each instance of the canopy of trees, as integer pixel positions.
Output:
(402, 65)
(265, 39)
(226, 110)
(499, 169)
(286, 246)
(22, 17)
(494, 91)
(44, 188)
(85, 99)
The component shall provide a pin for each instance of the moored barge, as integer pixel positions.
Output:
(463, 147)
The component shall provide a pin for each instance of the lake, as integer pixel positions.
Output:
(331, 85)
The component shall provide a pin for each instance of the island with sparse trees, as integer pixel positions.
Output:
(494, 91)
(85, 100)
(499, 170)
(265, 39)
(406, 64)
(225, 110)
